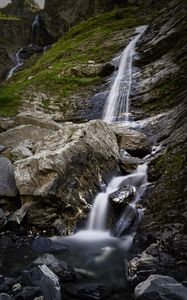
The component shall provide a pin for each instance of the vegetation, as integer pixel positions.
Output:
(97, 39)
(4, 16)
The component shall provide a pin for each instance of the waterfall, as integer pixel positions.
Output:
(19, 62)
(117, 105)
(35, 26)
(98, 216)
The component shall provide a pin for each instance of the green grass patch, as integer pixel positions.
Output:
(97, 39)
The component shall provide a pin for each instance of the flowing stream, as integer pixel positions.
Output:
(117, 105)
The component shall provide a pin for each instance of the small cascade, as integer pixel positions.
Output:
(117, 105)
(99, 213)
(19, 62)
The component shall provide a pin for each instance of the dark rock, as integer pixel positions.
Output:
(2, 218)
(5, 297)
(61, 268)
(7, 180)
(128, 164)
(90, 291)
(160, 287)
(6, 285)
(42, 245)
(28, 293)
(107, 69)
(127, 222)
(15, 219)
(46, 280)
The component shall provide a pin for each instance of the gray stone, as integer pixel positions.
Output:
(160, 287)
(59, 267)
(44, 278)
(7, 180)
(66, 170)
(2, 218)
(17, 217)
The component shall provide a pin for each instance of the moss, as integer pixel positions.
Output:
(4, 16)
(96, 39)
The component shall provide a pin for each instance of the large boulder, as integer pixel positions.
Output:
(65, 172)
(132, 141)
(7, 180)
(160, 288)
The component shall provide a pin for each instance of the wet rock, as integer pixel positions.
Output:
(7, 180)
(122, 197)
(28, 293)
(46, 280)
(4, 296)
(57, 176)
(128, 164)
(2, 218)
(160, 287)
(42, 245)
(127, 222)
(134, 142)
(61, 268)
(90, 291)
(60, 226)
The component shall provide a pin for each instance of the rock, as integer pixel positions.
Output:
(20, 152)
(28, 293)
(16, 287)
(134, 142)
(6, 123)
(59, 226)
(2, 218)
(43, 245)
(122, 197)
(90, 291)
(2, 148)
(15, 219)
(5, 297)
(160, 287)
(127, 222)
(37, 119)
(44, 278)
(7, 180)
(28, 134)
(153, 260)
(57, 176)
(61, 268)
(128, 164)
(6, 285)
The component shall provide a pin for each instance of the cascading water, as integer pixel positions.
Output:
(98, 215)
(19, 62)
(117, 105)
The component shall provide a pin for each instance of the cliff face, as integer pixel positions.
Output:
(64, 14)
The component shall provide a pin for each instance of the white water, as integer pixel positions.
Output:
(19, 63)
(117, 105)
(98, 216)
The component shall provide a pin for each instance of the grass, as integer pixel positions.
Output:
(97, 39)
(4, 16)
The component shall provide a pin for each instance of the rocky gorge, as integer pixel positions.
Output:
(57, 155)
